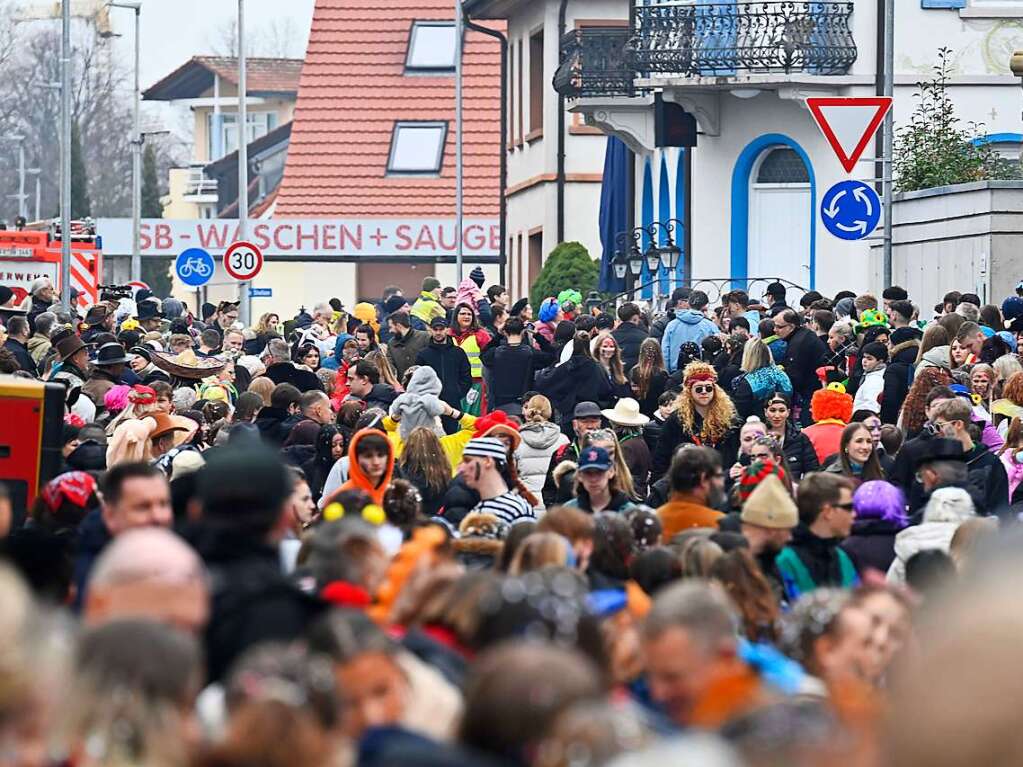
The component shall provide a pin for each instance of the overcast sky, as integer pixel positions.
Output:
(175, 30)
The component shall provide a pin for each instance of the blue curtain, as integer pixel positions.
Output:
(614, 210)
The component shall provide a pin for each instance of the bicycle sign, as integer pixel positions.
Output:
(194, 267)
(243, 260)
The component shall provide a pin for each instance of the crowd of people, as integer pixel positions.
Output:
(451, 528)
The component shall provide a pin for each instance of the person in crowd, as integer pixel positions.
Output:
(880, 510)
(541, 439)
(946, 509)
(804, 353)
(281, 369)
(630, 334)
(689, 325)
(873, 360)
(628, 422)
(648, 377)
(17, 343)
(467, 335)
(451, 365)
(759, 380)
(578, 378)
(510, 362)
(752, 430)
(370, 465)
(814, 557)
(43, 295)
(704, 415)
(607, 354)
(952, 419)
(800, 455)
(596, 485)
(831, 410)
(364, 384)
(307, 356)
(766, 522)
(857, 456)
(697, 486)
(276, 420)
(424, 464)
(405, 343)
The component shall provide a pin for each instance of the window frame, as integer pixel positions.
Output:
(438, 165)
(536, 83)
(429, 70)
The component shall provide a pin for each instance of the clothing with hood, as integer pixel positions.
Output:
(420, 405)
(688, 325)
(381, 395)
(402, 350)
(452, 368)
(868, 395)
(275, 424)
(357, 479)
(810, 562)
(751, 391)
(337, 360)
(533, 455)
(427, 307)
(366, 313)
(988, 477)
(898, 377)
(945, 511)
(937, 357)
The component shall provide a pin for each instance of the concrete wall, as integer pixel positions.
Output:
(967, 237)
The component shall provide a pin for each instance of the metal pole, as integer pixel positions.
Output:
(245, 300)
(458, 138)
(38, 198)
(889, 127)
(136, 169)
(22, 207)
(65, 156)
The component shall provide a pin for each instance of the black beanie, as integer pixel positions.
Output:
(477, 276)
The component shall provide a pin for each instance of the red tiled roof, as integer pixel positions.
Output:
(263, 76)
(354, 88)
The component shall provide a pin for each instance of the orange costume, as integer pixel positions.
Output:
(831, 409)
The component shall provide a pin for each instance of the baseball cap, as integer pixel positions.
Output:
(439, 322)
(594, 458)
(775, 289)
(586, 410)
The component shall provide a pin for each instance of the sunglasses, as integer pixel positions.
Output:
(843, 506)
(708, 389)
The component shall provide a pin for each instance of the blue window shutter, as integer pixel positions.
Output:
(942, 3)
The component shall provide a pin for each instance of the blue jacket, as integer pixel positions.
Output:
(689, 325)
(750, 391)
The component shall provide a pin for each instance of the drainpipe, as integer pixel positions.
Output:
(503, 172)
(562, 9)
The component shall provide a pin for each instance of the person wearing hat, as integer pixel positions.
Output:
(162, 437)
(99, 319)
(522, 310)
(70, 371)
(106, 372)
(483, 468)
(596, 484)
(874, 359)
(149, 315)
(766, 522)
(428, 306)
(774, 297)
(451, 365)
(628, 423)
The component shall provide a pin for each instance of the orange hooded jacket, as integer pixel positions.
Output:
(357, 479)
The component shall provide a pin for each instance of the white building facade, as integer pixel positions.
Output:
(761, 165)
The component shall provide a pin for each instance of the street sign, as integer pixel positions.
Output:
(243, 260)
(850, 210)
(261, 292)
(848, 124)
(194, 267)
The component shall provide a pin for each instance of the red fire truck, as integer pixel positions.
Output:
(34, 251)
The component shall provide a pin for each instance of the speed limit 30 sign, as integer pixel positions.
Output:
(243, 260)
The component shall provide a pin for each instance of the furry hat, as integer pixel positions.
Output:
(831, 403)
(949, 504)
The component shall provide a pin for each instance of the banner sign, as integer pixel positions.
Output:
(350, 239)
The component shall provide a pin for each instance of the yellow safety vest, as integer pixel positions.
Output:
(471, 348)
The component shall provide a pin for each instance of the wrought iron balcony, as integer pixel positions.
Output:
(593, 62)
(682, 39)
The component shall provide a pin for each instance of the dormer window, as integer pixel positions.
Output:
(431, 47)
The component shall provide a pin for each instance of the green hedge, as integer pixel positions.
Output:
(568, 266)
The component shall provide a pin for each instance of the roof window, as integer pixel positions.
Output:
(417, 147)
(431, 47)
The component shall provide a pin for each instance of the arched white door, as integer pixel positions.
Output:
(780, 217)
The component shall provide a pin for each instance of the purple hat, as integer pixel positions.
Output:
(878, 499)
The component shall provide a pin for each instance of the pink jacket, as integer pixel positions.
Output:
(1013, 470)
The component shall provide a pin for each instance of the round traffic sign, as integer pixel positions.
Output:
(851, 210)
(194, 267)
(243, 260)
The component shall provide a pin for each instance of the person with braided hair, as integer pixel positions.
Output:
(704, 415)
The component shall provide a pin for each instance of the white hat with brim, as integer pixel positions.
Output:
(626, 413)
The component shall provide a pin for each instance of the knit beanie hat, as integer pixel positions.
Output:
(876, 350)
(754, 474)
(477, 276)
(394, 303)
(770, 505)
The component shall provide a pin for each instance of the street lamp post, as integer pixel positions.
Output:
(136, 150)
(65, 156)
(244, 297)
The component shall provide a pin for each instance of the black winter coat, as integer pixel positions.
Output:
(804, 354)
(871, 546)
(511, 371)
(21, 356)
(458, 501)
(452, 368)
(285, 372)
(581, 379)
(674, 434)
(898, 377)
(251, 599)
(800, 456)
(629, 337)
(648, 405)
(275, 424)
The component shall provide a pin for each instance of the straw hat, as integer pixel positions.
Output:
(187, 364)
(626, 413)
